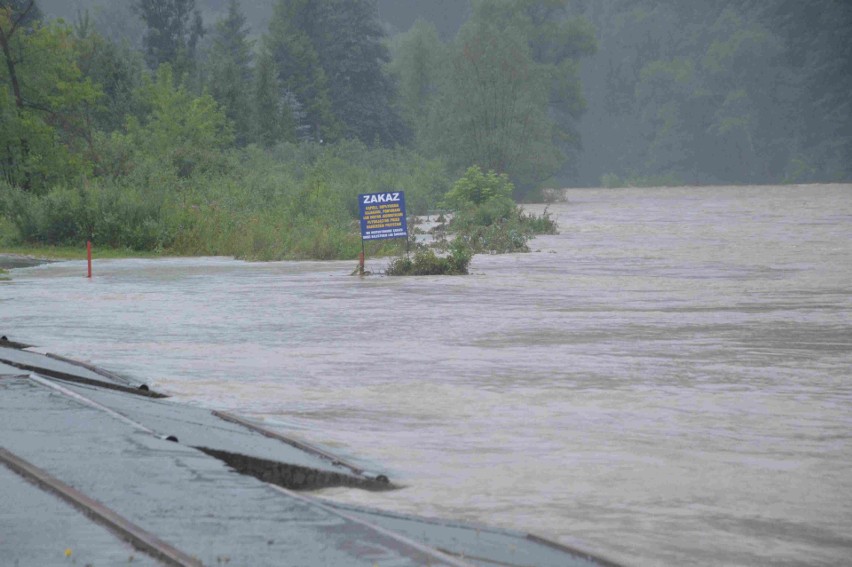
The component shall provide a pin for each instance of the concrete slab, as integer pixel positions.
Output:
(199, 495)
(6, 370)
(199, 427)
(478, 545)
(38, 528)
(32, 358)
(190, 500)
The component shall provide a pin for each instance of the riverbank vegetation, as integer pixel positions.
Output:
(174, 126)
(486, 219)
(233, 146)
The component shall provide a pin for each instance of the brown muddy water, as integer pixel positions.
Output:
(667, 381)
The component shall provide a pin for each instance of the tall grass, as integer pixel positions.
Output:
(294, 201)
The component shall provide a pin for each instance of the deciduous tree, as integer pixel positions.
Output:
(45, 133)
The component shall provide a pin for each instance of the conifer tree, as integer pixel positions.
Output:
(298, 65)
(350, 44)
(271, 116)
(173, 30)
(230, 72)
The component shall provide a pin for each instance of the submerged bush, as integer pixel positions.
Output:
(487, 220)
(427, 263)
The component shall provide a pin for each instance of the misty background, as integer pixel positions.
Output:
(669, 91)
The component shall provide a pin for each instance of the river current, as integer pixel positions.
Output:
(665, 382)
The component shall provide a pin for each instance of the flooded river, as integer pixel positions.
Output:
(667, 381)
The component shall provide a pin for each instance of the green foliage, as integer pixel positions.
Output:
(427, 263)
(799, 171)
(502, 237)
(611, 181)
(720, 92)
(418, 62)
(294, 201)
(67, 216)
(113, 68)
(493, 228)
(504, 95)
(496, 104)
(230, 71)
(159, 171)
(487, 213)
(175, 118)
(42, 104)
(476, 187)
(173, 30)
(350, 44)
(487, 220)
(298, 65)
(271, 117)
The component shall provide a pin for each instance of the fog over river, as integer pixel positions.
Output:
(666, 381)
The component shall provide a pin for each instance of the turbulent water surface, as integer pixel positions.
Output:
(666, 381)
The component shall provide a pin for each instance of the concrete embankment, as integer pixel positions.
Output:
(10, 261)
(97, 470)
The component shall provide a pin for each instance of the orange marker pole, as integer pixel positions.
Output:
(89, 256)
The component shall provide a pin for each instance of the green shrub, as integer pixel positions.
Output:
(487, 219)
(502, 237)
(115, 217)
(476, 188)
(293, 201)
(544, 224)
(427, 263)
(58, 217)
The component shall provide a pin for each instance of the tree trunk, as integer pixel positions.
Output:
(5, 40)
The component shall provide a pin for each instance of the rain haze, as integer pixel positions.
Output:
(578, 269)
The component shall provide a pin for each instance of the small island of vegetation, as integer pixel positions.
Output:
(485, 219)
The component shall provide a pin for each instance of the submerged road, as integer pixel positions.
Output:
(107, 476)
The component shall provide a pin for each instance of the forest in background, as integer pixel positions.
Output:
(719, 92)
(247, 128)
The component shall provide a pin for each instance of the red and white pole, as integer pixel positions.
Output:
(89, 256)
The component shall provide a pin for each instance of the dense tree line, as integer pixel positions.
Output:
(719, 91)
(168, 134)
(71, 93)
(504, 94)
(145, 97)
